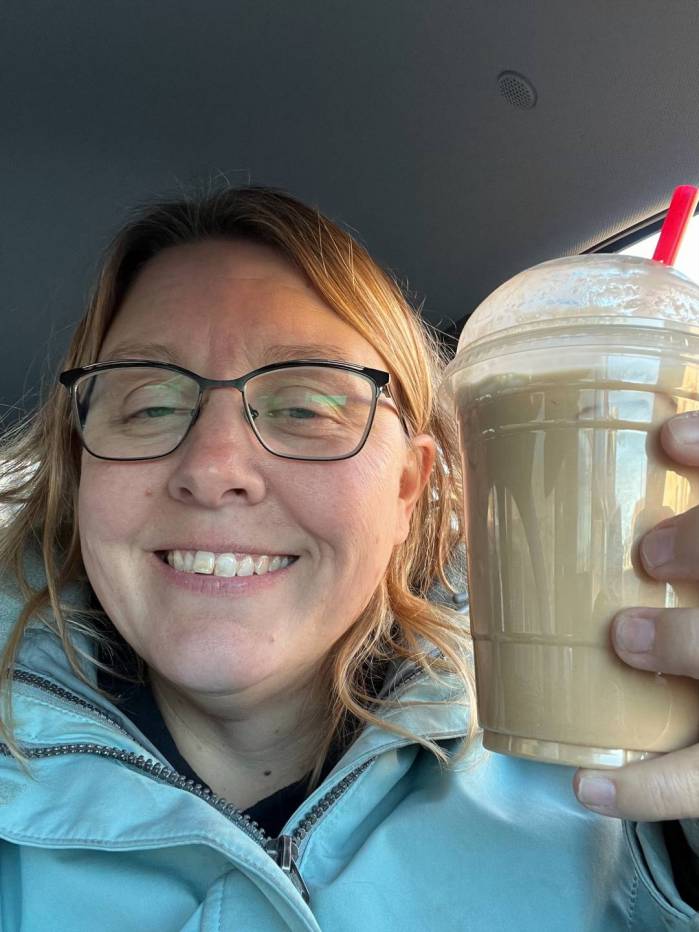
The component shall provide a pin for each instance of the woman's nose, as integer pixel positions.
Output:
(222, 416)
(220, 457)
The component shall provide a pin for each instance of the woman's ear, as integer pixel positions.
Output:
(420, 457)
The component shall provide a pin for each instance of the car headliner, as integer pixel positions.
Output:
(387, 114)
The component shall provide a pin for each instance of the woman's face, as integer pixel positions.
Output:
(219, 307)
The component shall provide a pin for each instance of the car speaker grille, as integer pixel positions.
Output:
(517, 90)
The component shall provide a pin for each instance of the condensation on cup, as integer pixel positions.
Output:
(562, 380)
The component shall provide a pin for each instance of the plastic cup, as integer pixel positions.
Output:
(562, 380)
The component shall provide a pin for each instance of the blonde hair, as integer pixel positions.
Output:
(41, 465)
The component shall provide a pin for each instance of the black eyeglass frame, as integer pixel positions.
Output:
(379, 379)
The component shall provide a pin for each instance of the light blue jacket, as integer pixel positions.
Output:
(108, 840)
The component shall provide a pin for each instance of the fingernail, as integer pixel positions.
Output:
(635, 633)
(597, 791)
(685, 428)
(658, 547)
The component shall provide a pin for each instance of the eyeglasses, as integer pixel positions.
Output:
(300, 410)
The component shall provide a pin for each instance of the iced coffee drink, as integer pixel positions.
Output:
(562, 381)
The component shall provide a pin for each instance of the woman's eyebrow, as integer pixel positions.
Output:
(279, 352)
(157, 351)
(284, 352)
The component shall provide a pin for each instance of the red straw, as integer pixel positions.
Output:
(682, 206)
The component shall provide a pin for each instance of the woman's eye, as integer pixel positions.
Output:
(148, 412)
(296, 413)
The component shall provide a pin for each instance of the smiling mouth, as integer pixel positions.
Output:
(224, 565)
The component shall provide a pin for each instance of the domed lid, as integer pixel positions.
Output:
(603, 286)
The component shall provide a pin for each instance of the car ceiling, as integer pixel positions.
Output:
(386, 114)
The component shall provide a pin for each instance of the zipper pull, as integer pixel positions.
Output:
(285, 852)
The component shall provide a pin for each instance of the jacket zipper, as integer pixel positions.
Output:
(410, 674)
(283, 850)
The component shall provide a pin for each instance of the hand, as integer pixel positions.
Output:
(667, 786)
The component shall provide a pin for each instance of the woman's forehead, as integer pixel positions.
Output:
(219, 271)
(238, 258)
(230, 298)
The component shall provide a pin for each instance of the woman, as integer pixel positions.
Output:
(232, 698)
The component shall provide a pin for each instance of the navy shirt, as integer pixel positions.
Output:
(138, 703)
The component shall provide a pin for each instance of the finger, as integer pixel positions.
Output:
(671, 549)
(679, 437)
(666, 787)
(661, 640)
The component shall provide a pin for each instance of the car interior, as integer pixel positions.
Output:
(460, 142)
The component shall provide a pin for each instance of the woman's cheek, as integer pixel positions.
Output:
(111, 503)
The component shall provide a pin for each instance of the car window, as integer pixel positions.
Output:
(687, 258)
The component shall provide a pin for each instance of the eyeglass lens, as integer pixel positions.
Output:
(306, 411)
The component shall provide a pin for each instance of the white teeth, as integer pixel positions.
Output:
(177, 560)
(204, 562)
(261, 565)
(246, 567)
(224, 564)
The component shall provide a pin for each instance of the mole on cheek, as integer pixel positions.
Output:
(149, 492)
